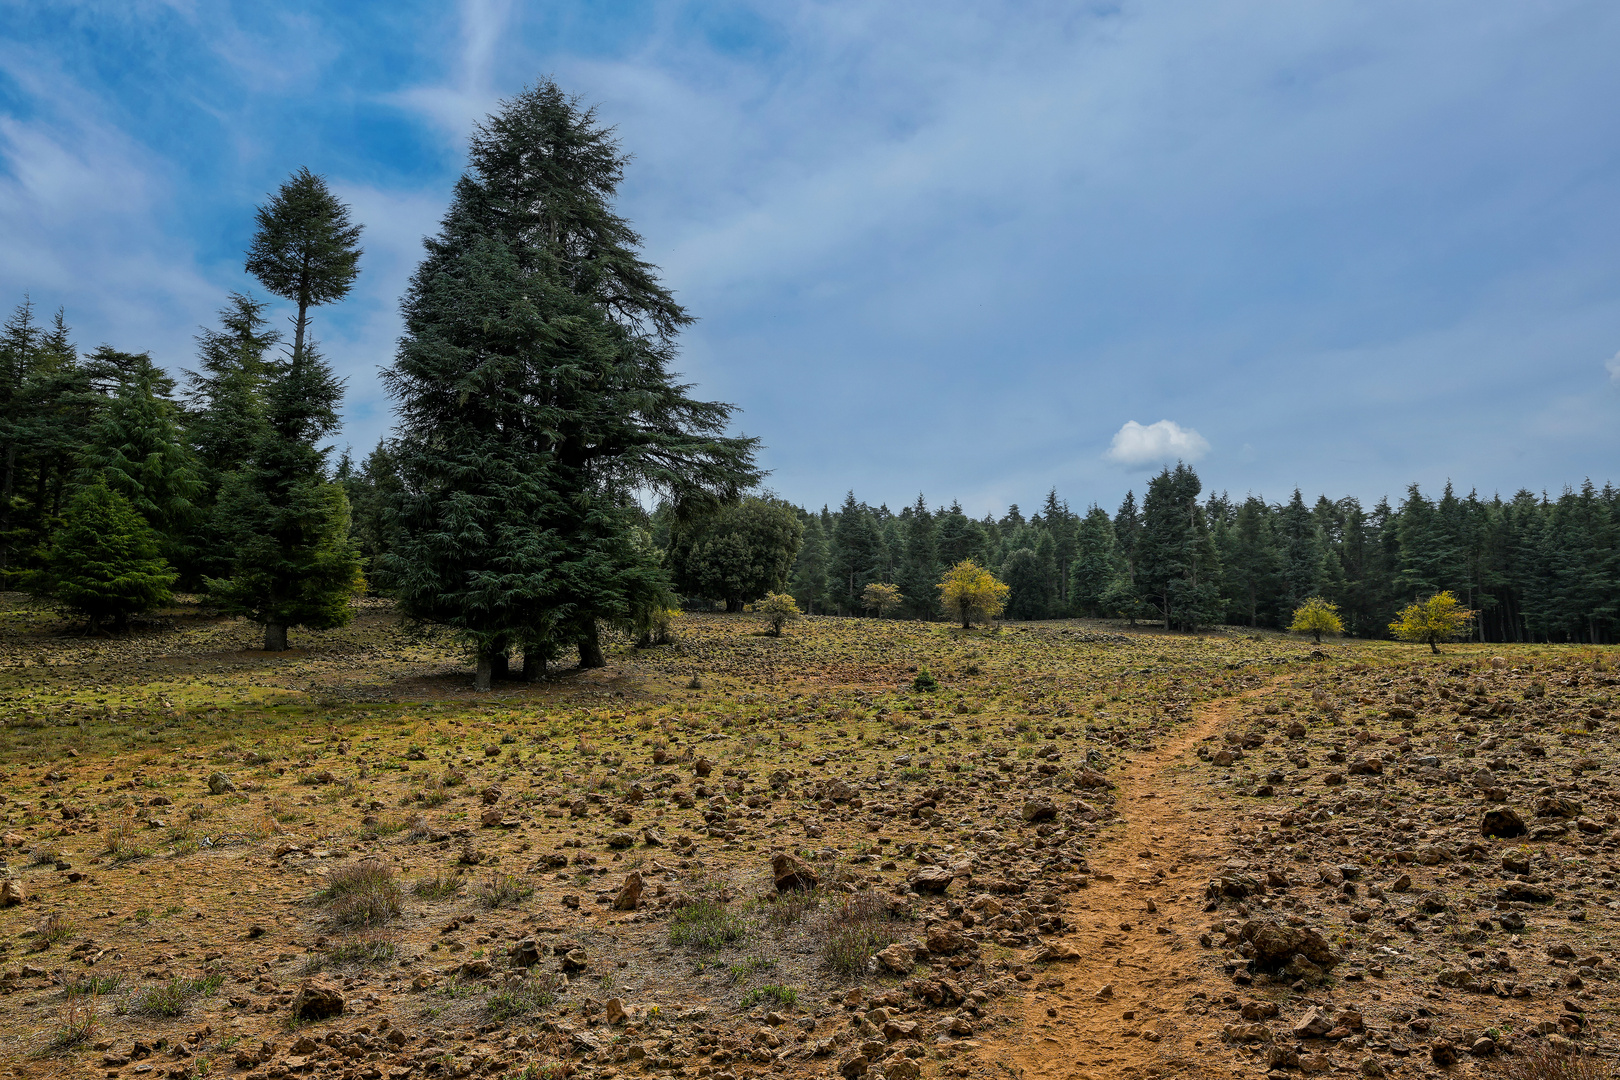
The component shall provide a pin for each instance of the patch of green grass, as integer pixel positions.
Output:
(521, 998)
(503, 890)
(439, 886)
(173, 998)
(362, 893)
(783, 996)
(374, 952)
(91, 985)
(749, 968)
(706, 925)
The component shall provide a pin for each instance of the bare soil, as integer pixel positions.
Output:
(1110, 811)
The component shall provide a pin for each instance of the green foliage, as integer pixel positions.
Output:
(924, 682)
(1176, 569)
(1429, 622)
(971, 593)
(363, 893)
(103, 563)
(137, 449)
(810, 568)
(1317, 617)
(287, 525)
(304, 249)
(535, 399)
(737, 554)
(882, 598)
(779, 610)
(781, 996)
(170, 999)
(707, 926)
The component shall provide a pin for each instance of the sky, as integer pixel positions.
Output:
(973, 250)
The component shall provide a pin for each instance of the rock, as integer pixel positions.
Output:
(1484, 1046)
(474, 969)
(1312, 1025)
(1502, 822)
(629, 897)
(613, 1009)
(1517, 861)
(1058, 953)
(901, 1068)
(1315, 1063)
(1039, 808)
(1276, 945)
(621, 840)
(1443, 1054)
(1524, 893)
(490, 818)
(898, 958)
(1259, 1010)
(653, 838)
(318, 999)
(944, 941)
(1402, 883)
(1557, 806)
(932, 879)
(11, 893)
(576, 960)
(853, 1067)
(792, 873)
(702, 766)
(1372, 1069)
(220, 784)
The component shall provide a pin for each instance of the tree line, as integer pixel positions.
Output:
(1534, 567)
(538, 419)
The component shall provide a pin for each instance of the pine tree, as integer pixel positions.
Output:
(305, 248)
(225, 399)
(139, 450)
(809, 581)
(1177, 568)
(104, 563)
(286, 523)
(857, 554)
(535, 400)
(1097, 563)
(919, 564)
(1028, 585)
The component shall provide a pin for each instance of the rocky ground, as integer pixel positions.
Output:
(866, 848)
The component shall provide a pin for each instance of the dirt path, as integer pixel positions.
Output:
(1120, 1009)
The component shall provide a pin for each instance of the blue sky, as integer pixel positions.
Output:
(972, 249)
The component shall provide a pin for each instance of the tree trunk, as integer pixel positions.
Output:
(534, 665)
(1433, 647)
(275, 637)
(590, 647)
(499, 666)
(484, 675)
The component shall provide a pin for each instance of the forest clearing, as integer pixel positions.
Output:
(1053, 849)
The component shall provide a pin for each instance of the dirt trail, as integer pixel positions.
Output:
(1136, 928)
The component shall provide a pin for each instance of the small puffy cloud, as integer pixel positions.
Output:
(1614, 367)
(1149, 444)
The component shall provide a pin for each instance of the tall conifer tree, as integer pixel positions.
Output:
(536, 400)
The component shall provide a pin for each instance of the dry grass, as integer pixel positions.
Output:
(363, 893)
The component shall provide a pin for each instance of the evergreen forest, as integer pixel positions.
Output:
(548, 475)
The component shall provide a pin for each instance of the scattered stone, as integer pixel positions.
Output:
(220, 784)
(1503, 823)
(792, 873)
(318, 999)
(629, 897)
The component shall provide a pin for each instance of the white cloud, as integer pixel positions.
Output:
(1614, 367)
(1149, 444)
